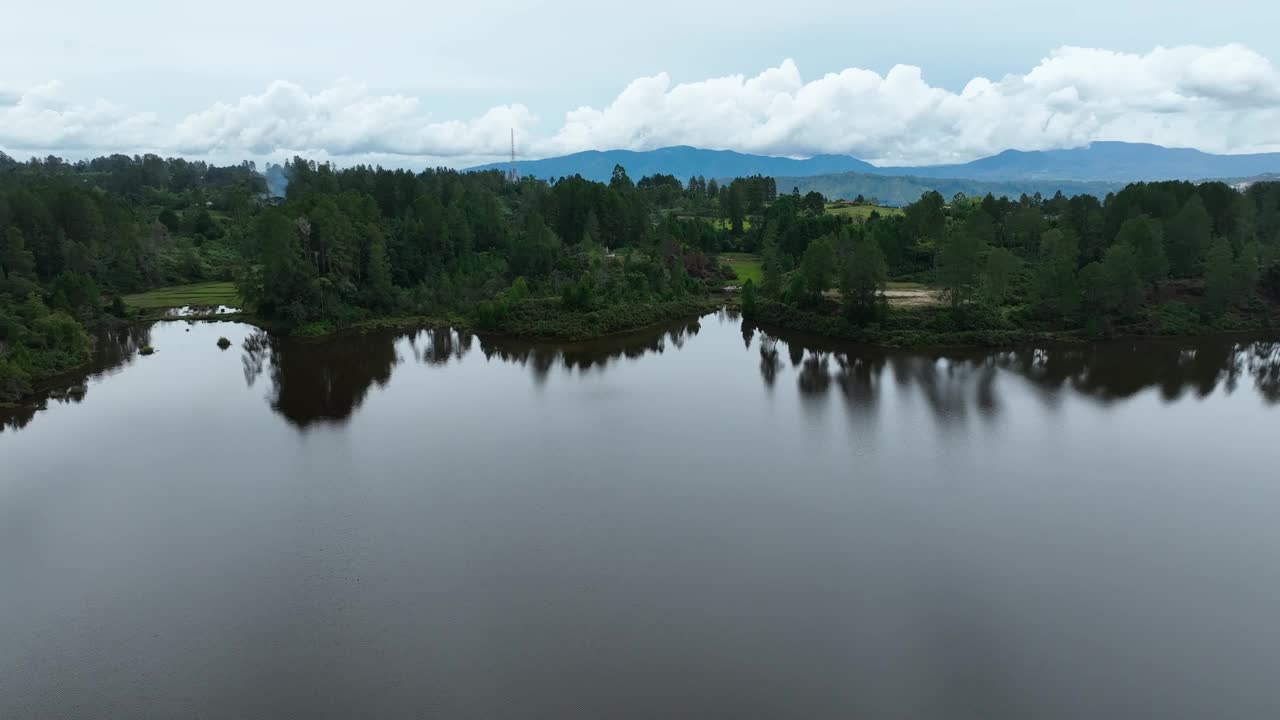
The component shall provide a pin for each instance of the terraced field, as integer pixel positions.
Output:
(207, 294)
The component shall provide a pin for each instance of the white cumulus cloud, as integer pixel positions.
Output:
(1219, 99)
(39, 117)
(343, 120)
(1224, 99)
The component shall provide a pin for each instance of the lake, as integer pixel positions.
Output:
(702, 521)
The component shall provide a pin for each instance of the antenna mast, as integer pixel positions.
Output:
(513, 174)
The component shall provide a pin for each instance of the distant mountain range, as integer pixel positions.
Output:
(683, 162)
(1103, 161)
(898, 190)
(1097, 167)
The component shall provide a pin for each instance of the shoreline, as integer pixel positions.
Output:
(43, 389)
(542, 330)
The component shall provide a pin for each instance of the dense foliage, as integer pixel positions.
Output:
(363, 242)
(575, 258)
(1169, 257)
(73, 237)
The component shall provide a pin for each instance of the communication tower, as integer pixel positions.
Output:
(513, 174)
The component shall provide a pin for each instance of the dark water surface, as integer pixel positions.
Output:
(705, 522)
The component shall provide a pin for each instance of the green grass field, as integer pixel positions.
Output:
(746, 265)
(862, 212)
(722, 224)
(205, 294)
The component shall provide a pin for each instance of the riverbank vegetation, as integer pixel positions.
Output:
(76, 237)
(89, 243)
(1168, 258)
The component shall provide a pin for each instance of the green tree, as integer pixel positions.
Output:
(1187, 235)
(619, 180)
(1218, 277)
(771, 261)
(749, 308)
(817, 267)
(734, 207)
(1120, 268)
(1097, 297)
(1248, 270)
(1056, 275)
(381, 291)
(518, 291)
(170, 220)
(16, 261)
(1025, 227)
(282, 285)
(981, 225)
(1144, 236)
(796, 292)
(14, 380)
(959, 265)
(579, 295)
(814, 203)
(1000, 269)
(77, 294)
(926, 219)
(863, 274)
(591, 230)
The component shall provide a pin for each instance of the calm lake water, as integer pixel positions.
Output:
(703, 522)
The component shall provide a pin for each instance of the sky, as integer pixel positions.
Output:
(418, 84)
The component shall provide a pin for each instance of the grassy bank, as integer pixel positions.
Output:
(747, 266)
(197, 295)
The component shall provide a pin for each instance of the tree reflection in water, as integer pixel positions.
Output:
(113, 350)
(325, 381)
(952, 380)
(319, 381)
(599, 354)
(769, 362)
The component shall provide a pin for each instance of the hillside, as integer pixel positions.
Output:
(1110, 162)
(681, 161)
(899, 190)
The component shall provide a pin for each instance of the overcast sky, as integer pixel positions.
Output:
(422, 83)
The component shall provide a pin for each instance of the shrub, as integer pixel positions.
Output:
(14, 381)
(1271, 282)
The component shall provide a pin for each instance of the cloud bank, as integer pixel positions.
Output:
(1221, 99)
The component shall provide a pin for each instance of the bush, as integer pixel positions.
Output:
(1176, 319)
(14, 381)
(317, 328)
(549, 318)
(901, 328)
(1270, 283)
(224, 343)
(146, 350)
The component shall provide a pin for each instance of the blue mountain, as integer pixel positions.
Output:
(1102, 161)
(681, 161)
(1109, 162)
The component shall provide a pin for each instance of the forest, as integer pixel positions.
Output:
(571, 258)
